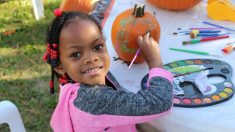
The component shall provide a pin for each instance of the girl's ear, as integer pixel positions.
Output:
(59, 69)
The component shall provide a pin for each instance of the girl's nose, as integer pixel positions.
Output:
(91, 59)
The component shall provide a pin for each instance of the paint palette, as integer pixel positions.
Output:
(189, 74)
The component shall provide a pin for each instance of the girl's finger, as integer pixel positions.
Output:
(140, 40)
(148, 34)
(146, 37)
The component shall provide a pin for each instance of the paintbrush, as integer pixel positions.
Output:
(215, 25)
(195, 52)
(136, 54)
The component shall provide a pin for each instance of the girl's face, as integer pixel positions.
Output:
(83, 53)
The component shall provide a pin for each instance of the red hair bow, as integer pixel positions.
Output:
(58, 12)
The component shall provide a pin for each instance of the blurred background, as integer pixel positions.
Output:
(23, 74)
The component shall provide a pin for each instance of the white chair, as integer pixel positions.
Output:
(38, 9)
(9, 114)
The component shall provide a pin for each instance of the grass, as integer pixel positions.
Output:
(23, 75)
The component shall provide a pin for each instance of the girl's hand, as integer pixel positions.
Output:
(150, 50)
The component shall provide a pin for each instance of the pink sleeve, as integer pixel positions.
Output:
(61, 120)
(90, 120)
(160, 72)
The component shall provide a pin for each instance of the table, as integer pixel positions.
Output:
(216, 118)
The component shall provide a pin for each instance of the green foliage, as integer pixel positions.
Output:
(23, 74)
(30, 49)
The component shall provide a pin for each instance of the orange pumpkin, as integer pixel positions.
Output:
(85, 6)
(175, 5)
(127, 26)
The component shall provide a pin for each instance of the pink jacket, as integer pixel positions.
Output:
(84, 108)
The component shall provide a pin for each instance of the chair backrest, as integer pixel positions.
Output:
(9, 114)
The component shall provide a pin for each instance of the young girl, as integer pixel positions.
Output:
(90, 99)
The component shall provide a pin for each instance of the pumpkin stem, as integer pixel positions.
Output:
(138, 10)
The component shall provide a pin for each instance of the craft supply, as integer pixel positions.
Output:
(206, 31)
(194, 35)
(195, 52)
(194, 41)
(213, 93)
(199, 28)
(229, 48)
(136, 54)
(215, 25)
(195, 32)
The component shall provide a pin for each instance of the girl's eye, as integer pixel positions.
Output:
(76, 54)
(98, 47)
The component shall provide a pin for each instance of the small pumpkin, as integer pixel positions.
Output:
(85, 6)
(127, 26)
(174, 5)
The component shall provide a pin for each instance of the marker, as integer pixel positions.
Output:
(194, 52)
(194, 41)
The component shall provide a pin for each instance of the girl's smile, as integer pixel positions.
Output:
(93, 71)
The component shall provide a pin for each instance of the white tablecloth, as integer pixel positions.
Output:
(216, 118)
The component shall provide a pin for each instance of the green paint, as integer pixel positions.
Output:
(173, 65)
(228, 90)
(189, 62)
(121, 35)
(166, 67)
(186, 69)
(123, 48)
(123, 22)
(181, 63)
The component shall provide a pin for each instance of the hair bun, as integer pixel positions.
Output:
(58, 12)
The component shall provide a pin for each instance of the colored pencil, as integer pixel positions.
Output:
(194, 52)
(194, 41)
